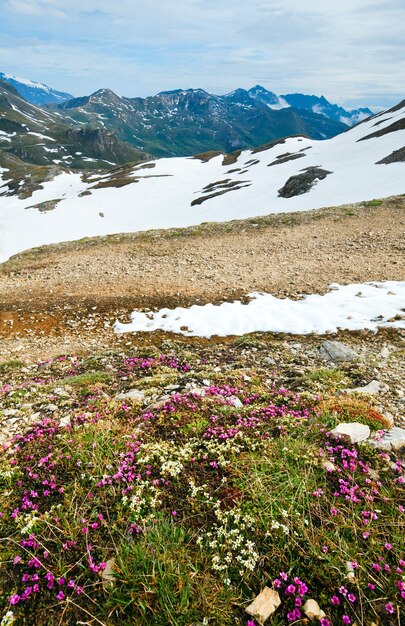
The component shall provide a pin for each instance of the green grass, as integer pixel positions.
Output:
(12, 364)
(329, 379)
(86, 380)
(371, 203)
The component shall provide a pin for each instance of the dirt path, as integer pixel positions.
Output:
(49, 292)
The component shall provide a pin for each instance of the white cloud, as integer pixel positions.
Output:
(351, 49)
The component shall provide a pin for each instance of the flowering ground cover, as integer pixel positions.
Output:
(178, 504)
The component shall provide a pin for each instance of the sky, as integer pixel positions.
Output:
(350, 51)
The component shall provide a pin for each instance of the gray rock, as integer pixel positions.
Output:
(393, 439)
(384, 354)
(372, 388)
(133, 394)
(337, 352)
(351, 432)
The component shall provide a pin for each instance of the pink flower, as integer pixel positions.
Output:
(333, 511)
(346, 619)
(14, 599)
(335, 600)
(351, 597)
(389, 608)
(60, 596)
(388, 546)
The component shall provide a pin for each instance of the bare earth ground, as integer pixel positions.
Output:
(64, 298)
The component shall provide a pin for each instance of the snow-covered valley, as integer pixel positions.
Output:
(295, 174)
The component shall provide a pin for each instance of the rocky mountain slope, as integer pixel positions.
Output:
(36, 93)
(292, 174)
(184, 122)
(39, 137)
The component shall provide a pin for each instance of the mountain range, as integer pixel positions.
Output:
(183, 122)
(290, 174)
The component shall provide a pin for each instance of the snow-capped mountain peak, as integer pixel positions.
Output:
(36, 93)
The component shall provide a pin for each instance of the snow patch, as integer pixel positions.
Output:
(352, 307)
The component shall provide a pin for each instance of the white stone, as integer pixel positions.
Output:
(264, 605)
(351, 432)
(312, 610)
(328, 466)
(393, 439)
(133, 394)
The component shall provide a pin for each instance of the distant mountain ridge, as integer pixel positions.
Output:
(315, 104)
(40, 94)
(33, 92)
(183, 122)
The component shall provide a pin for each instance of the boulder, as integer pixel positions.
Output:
(264, 605)
(337, 352)
(351, 432)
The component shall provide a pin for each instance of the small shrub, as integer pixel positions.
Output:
(349, 409)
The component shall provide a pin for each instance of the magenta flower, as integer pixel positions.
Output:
(389, 608)
(335, 600)
(346, 619)
(14, 599)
